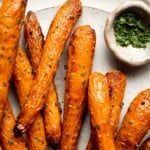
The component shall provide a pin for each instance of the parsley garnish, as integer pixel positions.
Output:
(131, 30)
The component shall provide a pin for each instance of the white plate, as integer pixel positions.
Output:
(104, 61)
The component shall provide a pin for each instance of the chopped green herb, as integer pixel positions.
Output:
(83, 74)
(10, 142)
(18, 22)
(71, 17)
(97, 127)
(130, 122)
(84, 83)
(4, 84)
(10, 59)
(38, 139)
(130, 29)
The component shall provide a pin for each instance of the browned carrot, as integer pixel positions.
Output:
(81, 51)
(136, 122)
(35, 41)
(8, 140)
(116, 81)
(23, 80)
(145, 145)
(52, 117)
(11, 15)
(100, 107)
(58, 33)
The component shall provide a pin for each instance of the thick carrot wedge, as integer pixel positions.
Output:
(100, 107)
(81, 51)
(11, 15)
(136, 122)
(116, 81)
(8, 140)
(145, 145)
(52, 117)
(23, 79)
(58, 33)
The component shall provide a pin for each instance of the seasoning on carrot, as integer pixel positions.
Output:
(135, 123)
(8, 140)
(51, 114)
(23, 79)
(116, 82)
(11, 16)
(80, 58)
(100, 107)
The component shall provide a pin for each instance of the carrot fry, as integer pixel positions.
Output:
(58, 33)
(23, 79)
(81, 51)
(116, 81)
(136, 122)
(52, 117)
(100, 107)
(11, 15)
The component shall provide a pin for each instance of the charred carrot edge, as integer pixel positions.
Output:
(52, 117)
(23, 79)
(34, 39)
(59, 30)
(145, 145)
(92, 144)
(11, 16)
(135, 123)
(8, 140)
(78, 70)
(100, 107)
(117, 82)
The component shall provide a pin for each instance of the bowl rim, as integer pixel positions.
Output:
(109, 22)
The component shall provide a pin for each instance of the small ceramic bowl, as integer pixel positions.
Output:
(129, 55)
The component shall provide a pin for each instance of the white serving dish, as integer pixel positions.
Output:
(104, 61)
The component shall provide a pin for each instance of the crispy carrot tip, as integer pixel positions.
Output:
(18, 130)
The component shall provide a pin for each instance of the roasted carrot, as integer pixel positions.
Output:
(23, 79)
(135, 123)
(58, 33)
(11, 15)
(100, 107)
(116, 82)
(35, 41)
(8, 140)
(145, 145)
(81, 51)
